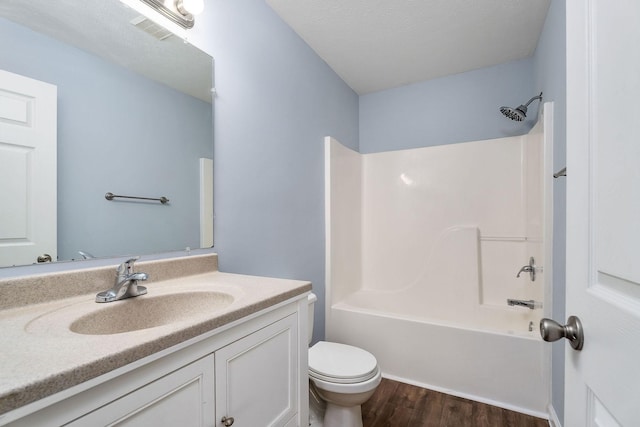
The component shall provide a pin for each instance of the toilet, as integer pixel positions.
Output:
(343, 376)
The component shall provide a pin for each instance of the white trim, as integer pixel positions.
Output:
(327, 232)
(548, 117)
(206, 202)
(554, 421)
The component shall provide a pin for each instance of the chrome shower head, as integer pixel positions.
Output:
(518, 114)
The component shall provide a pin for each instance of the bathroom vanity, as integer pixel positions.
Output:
(241, 362)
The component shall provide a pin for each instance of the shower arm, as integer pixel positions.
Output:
(533, 99)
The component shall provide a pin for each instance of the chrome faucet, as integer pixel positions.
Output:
(530, 304)
(126, 284)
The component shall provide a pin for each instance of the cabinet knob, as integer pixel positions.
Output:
(44, 258)
(227, 421)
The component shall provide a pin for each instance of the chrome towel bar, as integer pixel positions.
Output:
(111, 196)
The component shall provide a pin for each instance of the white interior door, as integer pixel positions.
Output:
(28, 185)
(603, 211)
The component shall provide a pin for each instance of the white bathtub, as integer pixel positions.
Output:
(506, 369)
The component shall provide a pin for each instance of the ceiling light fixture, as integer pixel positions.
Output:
(175, 15)
(190, 7)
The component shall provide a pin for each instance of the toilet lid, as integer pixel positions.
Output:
(341, 363)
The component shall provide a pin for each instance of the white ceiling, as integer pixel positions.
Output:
(381, 44)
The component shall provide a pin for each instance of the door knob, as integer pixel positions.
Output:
(550, 330)
(227, 421)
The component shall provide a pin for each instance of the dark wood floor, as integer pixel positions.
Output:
(397, 404)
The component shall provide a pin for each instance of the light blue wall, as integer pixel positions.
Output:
(550, 73)
(120, 132)
(276, 101)
(459, 108)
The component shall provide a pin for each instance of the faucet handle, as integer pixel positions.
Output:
(525, 269)
(531, 269)
(127, 266)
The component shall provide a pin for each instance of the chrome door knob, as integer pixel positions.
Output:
(227, 421)
(550, 330)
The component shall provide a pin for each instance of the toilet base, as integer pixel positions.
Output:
(317, 408)
(344, 409)
(342, 416)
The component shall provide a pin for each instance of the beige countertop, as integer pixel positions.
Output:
(41, 356)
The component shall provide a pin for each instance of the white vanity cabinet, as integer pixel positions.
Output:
(250, 374)
(256, 377)
(182, 398)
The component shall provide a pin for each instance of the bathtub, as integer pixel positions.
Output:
(506, 368)
(422, 251)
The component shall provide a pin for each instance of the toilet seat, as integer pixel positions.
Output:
(348, 389)
(341, 364)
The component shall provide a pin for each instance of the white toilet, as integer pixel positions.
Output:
(343, 376)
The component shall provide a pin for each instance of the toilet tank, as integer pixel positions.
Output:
(311, 298)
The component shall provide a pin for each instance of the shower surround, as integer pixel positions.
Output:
(423, 247)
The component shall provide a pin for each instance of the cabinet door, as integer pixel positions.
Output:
(257, 377)
(182, 398)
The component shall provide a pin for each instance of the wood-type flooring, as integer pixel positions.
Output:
(396, 404)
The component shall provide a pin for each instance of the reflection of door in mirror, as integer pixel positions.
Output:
(28, 187)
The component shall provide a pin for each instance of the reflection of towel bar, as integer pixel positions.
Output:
(561, 172)
(111, 196)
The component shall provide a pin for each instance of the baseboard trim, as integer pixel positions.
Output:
(554, 421)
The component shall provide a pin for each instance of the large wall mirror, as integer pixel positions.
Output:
(134, 117)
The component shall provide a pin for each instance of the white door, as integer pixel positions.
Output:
(603, 211)
(28, 186)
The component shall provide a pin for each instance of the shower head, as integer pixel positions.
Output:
(518, 114)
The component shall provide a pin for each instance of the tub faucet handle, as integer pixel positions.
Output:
(531, 269)
(525, 269)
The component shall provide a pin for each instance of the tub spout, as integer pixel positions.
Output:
(530, 304)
